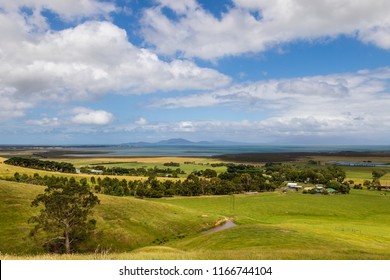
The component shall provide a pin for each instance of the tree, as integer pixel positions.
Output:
(376, 174)
(210, 173)
(246, 180)
(367, 184)
(376, 184)
(192, 186)
(64, 216)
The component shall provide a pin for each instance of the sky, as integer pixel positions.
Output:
(283, 72)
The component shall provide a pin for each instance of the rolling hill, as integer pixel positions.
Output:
(123, 223)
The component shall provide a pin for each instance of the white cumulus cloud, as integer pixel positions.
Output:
(87, 116)
(141, 121)
(255, 26)
(340, 105)
(83, 62)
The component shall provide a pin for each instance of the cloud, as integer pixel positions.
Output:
(87, 116)
(141, 121)
(76, 116)
(45, 122)
(313, 129)
(379, 36)
(84, 62)
(93, 59)
(290, 93)
(255, 26)
(338, 105)
(11, 106)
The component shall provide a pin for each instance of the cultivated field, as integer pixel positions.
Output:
(187, 164)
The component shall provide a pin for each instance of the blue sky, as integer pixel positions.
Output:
(256, 71)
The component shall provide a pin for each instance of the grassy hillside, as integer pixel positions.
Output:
(295, 226)
(270, 225)
(15, 200)
(123, 223)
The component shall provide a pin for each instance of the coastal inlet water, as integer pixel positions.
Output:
(209, 150)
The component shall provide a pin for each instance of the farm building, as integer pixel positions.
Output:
(294, 186)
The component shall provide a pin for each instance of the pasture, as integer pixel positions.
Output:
(269, 225)
(359, 174)
(294, 226)
(188, 165)
(124, 223)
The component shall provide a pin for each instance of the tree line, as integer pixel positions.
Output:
(233, 181)
(41, 164)
(154, 188)
(122, 171)
(308, 174)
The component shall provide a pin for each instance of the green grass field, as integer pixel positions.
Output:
(123, 223)
(360, 174)
(195, 165)
(269, 225)
(299, 226)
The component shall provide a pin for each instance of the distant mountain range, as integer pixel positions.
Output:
(181, 142)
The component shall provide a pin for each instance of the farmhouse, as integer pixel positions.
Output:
(96, 171)
(319, 189)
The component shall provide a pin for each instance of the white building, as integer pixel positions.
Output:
(293, 186)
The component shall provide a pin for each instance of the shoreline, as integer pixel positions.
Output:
(245, 157)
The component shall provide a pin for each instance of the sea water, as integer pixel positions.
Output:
(212, 150)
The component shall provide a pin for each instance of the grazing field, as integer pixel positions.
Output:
(298, 226)
(269, 226)
(9, 171)
(188, 165)
(273, 225)
(123, 223)
(360, 174)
